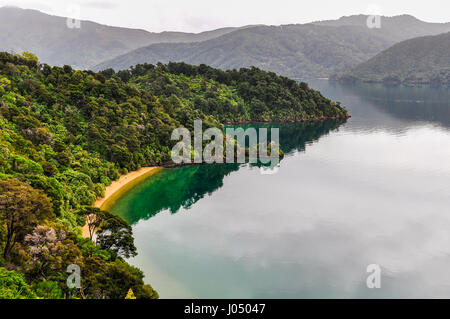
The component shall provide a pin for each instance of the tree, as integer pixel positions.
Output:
(31, 58)
(21, 208)
(93, 217)
(49, 252)
(115, 234)
(113, 280)
(112, 232)
(49, 290)
(14, 286)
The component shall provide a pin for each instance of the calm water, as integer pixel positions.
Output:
(373, 190)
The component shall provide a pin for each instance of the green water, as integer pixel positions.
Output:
(372, 190)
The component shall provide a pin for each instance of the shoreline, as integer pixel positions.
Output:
(314, 119)
(392, 83)
(126, 182)
(120, 186)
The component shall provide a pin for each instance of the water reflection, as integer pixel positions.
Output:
(392, 108)
(172, 189)
(295, 136)
(372, 190)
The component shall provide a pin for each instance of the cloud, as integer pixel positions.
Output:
(107, 5)
(24, 4)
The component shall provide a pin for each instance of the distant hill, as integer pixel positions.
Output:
(414, 61)
(49, 37)
(396, 29)
(299, 51)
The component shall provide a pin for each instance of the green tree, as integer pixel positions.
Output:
(113, 280)
(30, 57)
(48, 290)
(111, 232)
(94, 217)
(115, 234)
(14, 286)
(21, 208)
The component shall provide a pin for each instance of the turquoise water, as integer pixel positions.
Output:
(372, 190)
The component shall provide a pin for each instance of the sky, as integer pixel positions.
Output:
(203, 15)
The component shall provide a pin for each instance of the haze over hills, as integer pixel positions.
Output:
(299, 51)
(49, 38)
(399, 28)
(292, 50)
(414, 61)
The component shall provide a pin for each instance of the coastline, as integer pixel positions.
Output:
(391, 83)
(119, 187)
(314, 119)
(127, 181)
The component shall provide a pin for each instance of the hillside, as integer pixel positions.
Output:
(297, 51)
(49, 37)
(399, 27)
(66, 134)
(415, 61)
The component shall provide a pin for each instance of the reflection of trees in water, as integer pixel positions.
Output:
(418, 103)
(294, 136)
(174, 188)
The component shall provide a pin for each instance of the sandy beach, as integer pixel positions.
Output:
(124, 183)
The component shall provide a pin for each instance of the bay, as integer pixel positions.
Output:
(374, 189)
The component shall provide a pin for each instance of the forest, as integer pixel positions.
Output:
(66, 134)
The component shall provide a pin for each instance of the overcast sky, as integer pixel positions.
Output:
(202, 15)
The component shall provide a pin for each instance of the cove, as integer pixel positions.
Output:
(370, 190)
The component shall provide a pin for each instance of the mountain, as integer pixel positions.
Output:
(414, 61)
(298, 51)
(303, 51)
(396, 29)
(295, 51)
(49, 37)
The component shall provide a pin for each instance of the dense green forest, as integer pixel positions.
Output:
(424, 60)
(66, 134)
(247, 95)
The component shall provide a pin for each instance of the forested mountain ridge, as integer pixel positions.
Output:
(298, 51)
(247, 95)
(415, 61)
(49, 37)
(66, 134)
